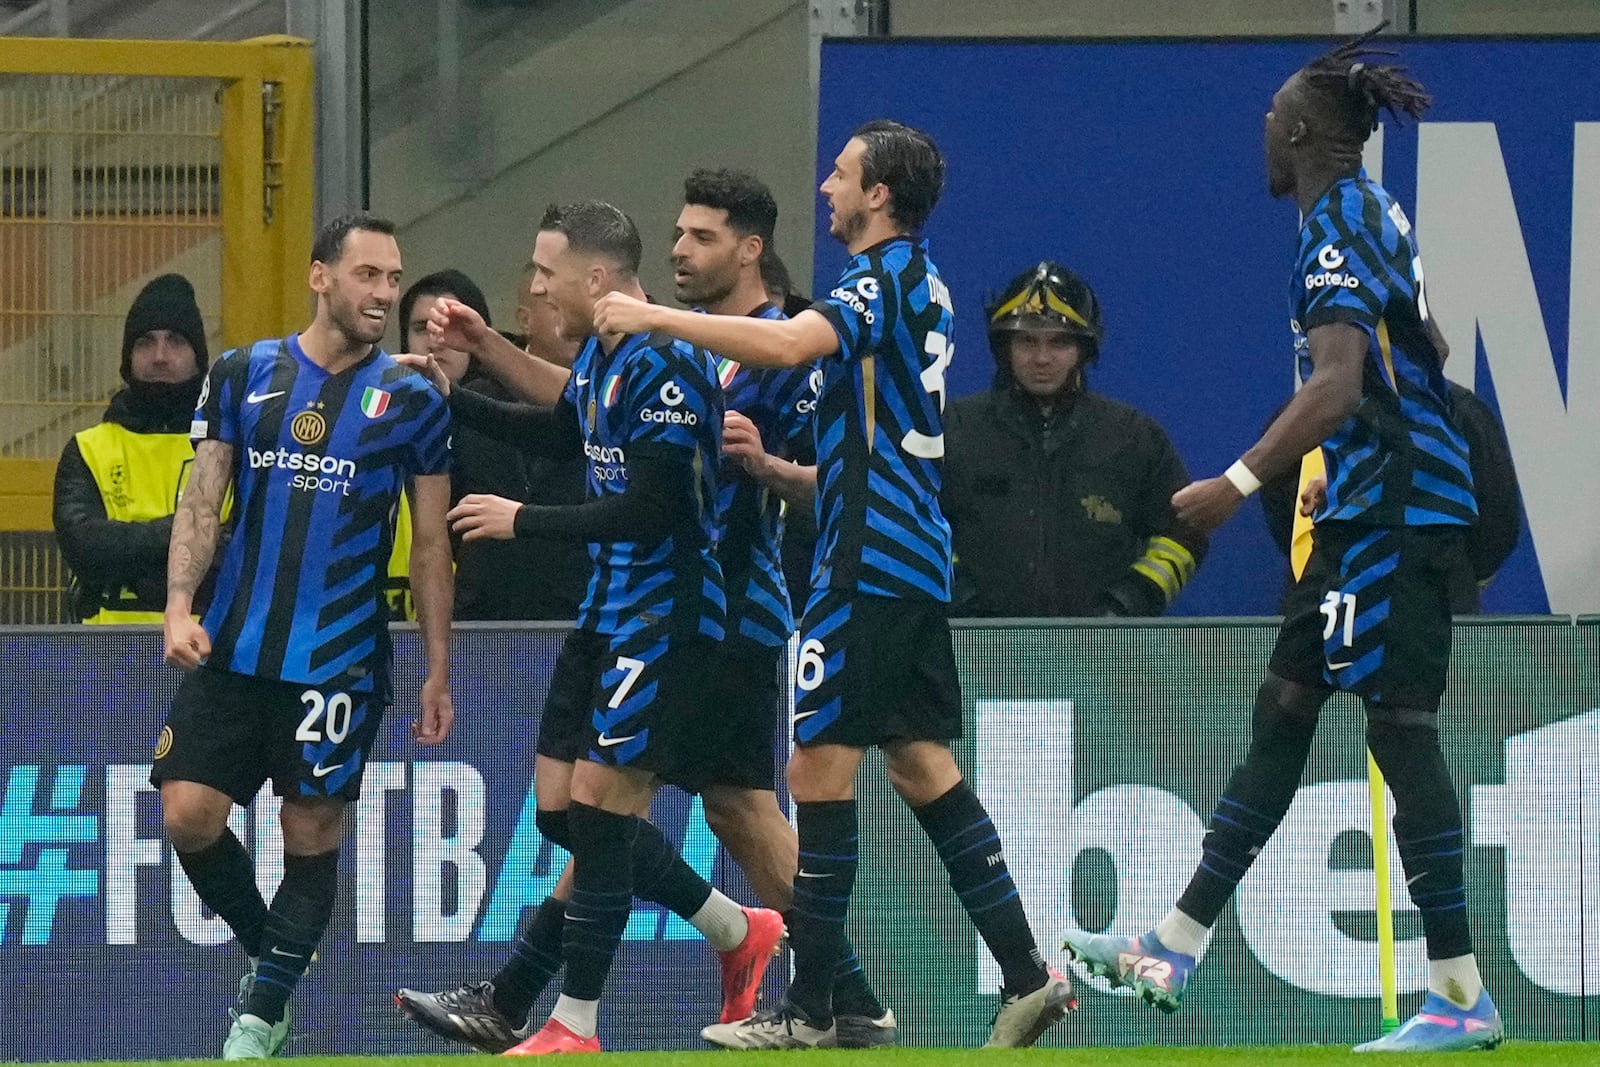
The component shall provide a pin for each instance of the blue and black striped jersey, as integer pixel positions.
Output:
(319, 461)
(658, 392)
(880, 427)
(780, 403)
(1399, 460)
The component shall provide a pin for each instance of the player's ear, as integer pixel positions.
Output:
(750, 249)
(1297, 132)
(878, 197)
(319, 276)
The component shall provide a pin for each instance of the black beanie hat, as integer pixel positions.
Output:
(166, 303)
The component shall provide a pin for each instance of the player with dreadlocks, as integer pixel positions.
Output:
(1370, 614)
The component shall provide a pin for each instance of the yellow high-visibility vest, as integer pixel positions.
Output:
(140, 477)
(397, 584)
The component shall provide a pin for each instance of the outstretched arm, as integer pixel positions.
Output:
(659, 496)
(457, 326)
(1329, 397)
(759, 342)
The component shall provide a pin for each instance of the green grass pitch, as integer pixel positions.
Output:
(1512, 1054)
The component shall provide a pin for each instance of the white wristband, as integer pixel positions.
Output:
(1242, 479)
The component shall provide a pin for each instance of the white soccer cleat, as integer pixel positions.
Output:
(776, 1028)
(1022, 1019)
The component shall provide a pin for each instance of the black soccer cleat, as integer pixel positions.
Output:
(467, 1015)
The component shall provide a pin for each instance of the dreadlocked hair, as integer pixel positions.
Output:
(1364, 88)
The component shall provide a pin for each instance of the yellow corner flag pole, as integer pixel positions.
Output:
(1311, 467)
(1385, 905)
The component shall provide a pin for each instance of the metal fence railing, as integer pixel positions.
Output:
(119, 161)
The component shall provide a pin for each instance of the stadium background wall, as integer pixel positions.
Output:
(1100, 749)
(1139, 164)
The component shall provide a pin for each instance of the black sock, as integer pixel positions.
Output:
(224, 878)
(295, 923)
(969, 847)
(535, 959)
(602, 895)
(822, 886)
(1427, 831)
(852, 995)
(662, 877)
(1257, 796)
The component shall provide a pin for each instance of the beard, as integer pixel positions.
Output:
(706, 287)
(356, 327)
(847, 226)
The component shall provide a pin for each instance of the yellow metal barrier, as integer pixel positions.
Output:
(121, 160)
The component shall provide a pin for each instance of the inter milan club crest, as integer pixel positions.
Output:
(308, 428)
(374, 402)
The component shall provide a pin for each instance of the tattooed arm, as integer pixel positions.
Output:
(194, 541)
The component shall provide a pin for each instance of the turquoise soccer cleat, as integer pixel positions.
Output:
(253, 1038)
(1156, 974)
(1442, 1027)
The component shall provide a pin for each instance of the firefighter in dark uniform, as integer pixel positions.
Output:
(1059, 498)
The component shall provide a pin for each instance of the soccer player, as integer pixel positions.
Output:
(723, 241)
(288, 676)
(1370, 615)
(876, 663)
(626, 696)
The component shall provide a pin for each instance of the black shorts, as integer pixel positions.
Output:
(234, 731)
(736, 742)
(626, 700)
(564, 724)
(873, 669)
(1371, 614)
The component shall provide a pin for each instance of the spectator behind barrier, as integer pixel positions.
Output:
(1059, 499)
(1494, 482)
(504, 580)
(117, 482)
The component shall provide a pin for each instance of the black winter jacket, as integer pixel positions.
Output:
(1050, 515)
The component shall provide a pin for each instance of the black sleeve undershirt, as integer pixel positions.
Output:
(660, 497)
(554, 433)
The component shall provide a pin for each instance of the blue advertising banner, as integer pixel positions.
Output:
(440, 860)
(1100, 750)
(1140, 165)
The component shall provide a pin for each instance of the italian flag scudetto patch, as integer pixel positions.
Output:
(374, 402)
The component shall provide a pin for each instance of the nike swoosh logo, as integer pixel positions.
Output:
(1341, 666)
(319, 771)
(813, 874)
(607, 742)
(803, 715)
(276, 951)
(256, 398)
(582, 380)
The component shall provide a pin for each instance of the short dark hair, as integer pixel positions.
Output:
(449, 282)
(746, 198)
(907, 161)
(1357, 90)
(329, 244)
(597, 228)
